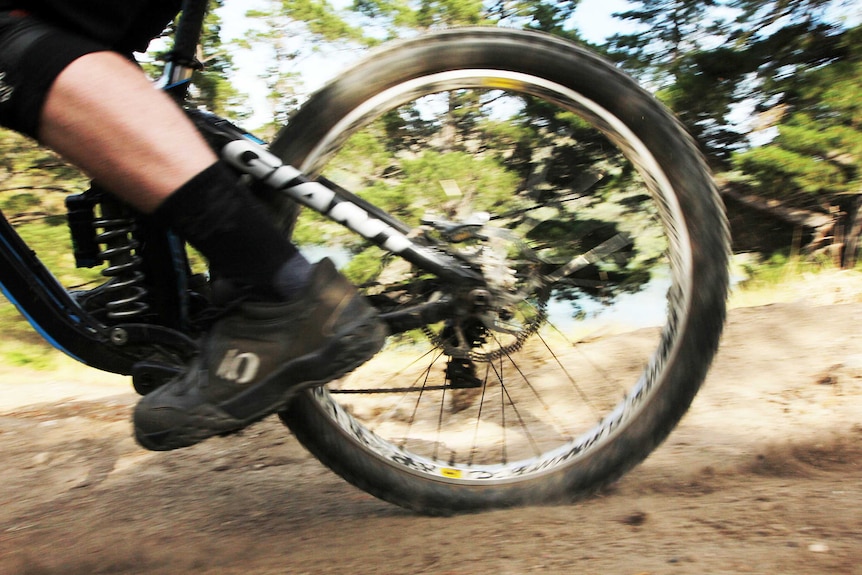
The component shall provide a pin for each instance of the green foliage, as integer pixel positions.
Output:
(777, 171)
(33, 185)
(702, 95)
(484, 181)
(667, 30)
(365, 265)
(779, 268)
(322, 19)
(759, 15)
(288, 31)
(399, 13)
(707, 58)
(817, 155)
(450, 13)
(44, 229)
(394, 18)
(23, 164)
(37, 355)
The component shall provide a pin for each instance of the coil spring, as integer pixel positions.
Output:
(125, 293)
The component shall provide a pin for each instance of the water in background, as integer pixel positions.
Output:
(646, 308)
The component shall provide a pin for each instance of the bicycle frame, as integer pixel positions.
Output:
(123, 347)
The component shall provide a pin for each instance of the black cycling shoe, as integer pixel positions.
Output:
(258, 357)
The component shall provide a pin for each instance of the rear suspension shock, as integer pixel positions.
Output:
(125, 292)
(108, 239)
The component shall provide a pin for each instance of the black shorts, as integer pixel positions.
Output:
(38, 42)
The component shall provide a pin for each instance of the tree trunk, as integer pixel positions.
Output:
(854, 231)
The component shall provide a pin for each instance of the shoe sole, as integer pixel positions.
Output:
(344, 353)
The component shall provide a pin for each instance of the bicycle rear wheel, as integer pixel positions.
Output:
(602, 240)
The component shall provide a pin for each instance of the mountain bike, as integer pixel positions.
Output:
(541, 236)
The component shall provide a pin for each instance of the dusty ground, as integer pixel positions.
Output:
(764, 475)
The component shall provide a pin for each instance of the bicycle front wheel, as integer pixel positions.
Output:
(602, 241)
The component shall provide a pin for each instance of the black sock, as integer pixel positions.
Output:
(225, 223)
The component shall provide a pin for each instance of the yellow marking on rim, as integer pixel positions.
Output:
(450, 473)
(504, 84)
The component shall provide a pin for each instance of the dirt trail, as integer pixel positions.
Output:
(764, 475)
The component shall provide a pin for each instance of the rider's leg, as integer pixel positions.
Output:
(289, 334)
(104, 116)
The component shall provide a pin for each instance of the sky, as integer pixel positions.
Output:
(593, 19)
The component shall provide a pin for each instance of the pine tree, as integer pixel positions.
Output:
(815, 162)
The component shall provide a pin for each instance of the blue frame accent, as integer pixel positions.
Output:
(38, 328)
